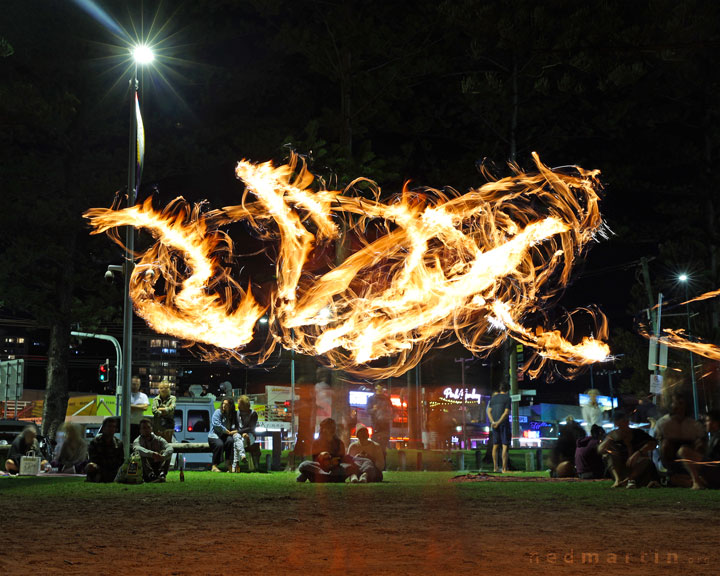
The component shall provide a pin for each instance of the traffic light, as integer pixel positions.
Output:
(104, 372)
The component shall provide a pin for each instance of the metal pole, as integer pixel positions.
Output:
(292, 391)
(464, 405)
(129, 265)
(692, 360)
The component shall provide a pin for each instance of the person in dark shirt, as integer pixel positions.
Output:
(588, 462)
(562, 456)
(25, 444)
(628, 453)
(329, 463)
(498, 413)
(106, 454)
(704, 467)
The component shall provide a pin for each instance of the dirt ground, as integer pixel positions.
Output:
(416, 523)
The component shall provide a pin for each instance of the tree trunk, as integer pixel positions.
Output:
(56, 388)
(56, 391)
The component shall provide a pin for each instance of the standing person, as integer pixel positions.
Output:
(154, 451)
(223, 428)
(629, 454)
(592, 412)
(379, 407)
(368, 456)
(163, 409)
(703, 466)
(25, 444)
(245, 438)
(498, 413)
(106, 454)
(71, 455)
(138, 404)
(329, 463)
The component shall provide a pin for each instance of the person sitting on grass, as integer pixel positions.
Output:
(223, 428)
(628, 453)
(106, 454)
(25, 444)
(562, 456)
(154, 451)
(329, 463)
(675, 431)
(71, 455)
(244, 440)
(368, 456)
(704, 467)
(588, 462)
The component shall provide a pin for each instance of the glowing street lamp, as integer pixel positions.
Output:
(685, 280)
(142, 55)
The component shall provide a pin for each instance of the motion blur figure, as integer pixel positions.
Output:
(368, 456)
(379, 407)
(25, 444)
(330, 463)
(704, 467)
(71, 455)
(678, 430)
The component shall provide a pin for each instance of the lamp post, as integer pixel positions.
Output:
(684, 279)
(141, 55)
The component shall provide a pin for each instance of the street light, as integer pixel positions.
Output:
(685, 280)
(141, 55)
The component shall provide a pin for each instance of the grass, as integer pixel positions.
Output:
(200, 486)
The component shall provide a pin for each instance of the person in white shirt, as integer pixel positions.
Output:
(369, 457)
(592, 412)
(138, 404)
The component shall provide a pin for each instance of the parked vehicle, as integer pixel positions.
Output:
(192, 424)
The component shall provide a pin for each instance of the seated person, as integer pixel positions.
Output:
(71, 452)
(245, 438)
(702, 466)
(369, 457)
(154, 451)
(329, 463)
(562, 457)
(25, 444)
(106, 454)
(588, 461)
(675, 430)
(223, 428)
(628, 453)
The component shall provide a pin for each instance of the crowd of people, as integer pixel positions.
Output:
(675, 450)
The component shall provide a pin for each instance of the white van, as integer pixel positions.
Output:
(192, 424)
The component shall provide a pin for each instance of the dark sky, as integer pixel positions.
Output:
(427, 94)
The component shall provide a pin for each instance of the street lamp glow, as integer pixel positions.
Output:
(143, 54)
(683, 277)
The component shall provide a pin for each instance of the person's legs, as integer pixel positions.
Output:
(228, 448)
(642, 472)
(505, 466)
(238, 452)
(11, 467)
(616, 466)
(495, 450)
(216, 445)
(690, 459)
(311, 470)
(368, 470)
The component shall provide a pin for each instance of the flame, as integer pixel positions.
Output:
(430, 265)
(677, 338)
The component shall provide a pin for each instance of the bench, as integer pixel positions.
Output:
(274, 461)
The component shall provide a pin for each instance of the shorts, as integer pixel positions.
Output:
(502, 434)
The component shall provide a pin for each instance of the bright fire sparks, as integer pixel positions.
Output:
(433, 264)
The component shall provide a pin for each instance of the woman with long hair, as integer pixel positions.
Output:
(71, 455)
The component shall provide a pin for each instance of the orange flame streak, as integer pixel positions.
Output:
(473, 264)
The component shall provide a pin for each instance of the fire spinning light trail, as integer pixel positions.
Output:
(431, 264)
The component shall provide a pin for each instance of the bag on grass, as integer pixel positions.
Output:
(131, 472)
(30, 465)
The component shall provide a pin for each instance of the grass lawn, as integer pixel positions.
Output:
(414, 522)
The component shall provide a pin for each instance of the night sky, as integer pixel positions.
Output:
(372, 89)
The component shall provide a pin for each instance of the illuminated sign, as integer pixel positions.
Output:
(358, 398)
(457, 394)
(603, 401)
